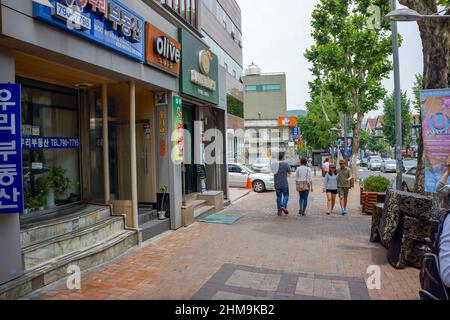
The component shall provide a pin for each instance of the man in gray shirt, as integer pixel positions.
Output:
(281, 172)
(444, 245)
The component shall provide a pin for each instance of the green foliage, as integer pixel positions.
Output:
(56, 178)
(350, 57)
(376, 184)
(235, 107)
(389, 124)
(317, 124)
(418, 86)
(305, 152)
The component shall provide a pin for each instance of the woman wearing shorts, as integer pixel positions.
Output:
(331, 189)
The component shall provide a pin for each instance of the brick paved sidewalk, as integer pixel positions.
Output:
(259, 257)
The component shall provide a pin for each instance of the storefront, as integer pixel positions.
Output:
(204, 117)
(90, 127)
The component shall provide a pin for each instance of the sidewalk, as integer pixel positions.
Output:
(259, 257)
(236, 194)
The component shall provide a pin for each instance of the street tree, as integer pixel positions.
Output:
(435, 36)
(316, 127)
(389, 128)
(350, 57)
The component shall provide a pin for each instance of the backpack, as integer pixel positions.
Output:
(432, 287)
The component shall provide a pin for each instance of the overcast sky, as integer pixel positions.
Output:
(277, 33)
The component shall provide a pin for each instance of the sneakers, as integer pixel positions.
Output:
(344, 212)
(300, 212)
(279, 214)
(286, 211)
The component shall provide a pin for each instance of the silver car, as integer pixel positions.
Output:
(409, 179)
(238, 174)
(262, 165)
(374, 164)
(389, 165)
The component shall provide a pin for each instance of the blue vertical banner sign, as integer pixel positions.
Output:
(295, 133)
(11, 183)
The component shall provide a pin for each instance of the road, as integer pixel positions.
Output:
(363, 173)
(260, 256)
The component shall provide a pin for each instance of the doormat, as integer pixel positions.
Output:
(221, 218)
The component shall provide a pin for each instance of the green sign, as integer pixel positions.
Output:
(199, 69)
(177, 137)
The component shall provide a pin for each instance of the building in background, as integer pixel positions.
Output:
(221, 28)
(268, 128)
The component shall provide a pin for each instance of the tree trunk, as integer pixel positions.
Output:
(356, 144)
(435, 37)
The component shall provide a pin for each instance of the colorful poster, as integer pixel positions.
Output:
(11, 188)
(177, 137)
(436, 134)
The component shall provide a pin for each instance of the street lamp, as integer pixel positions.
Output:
(408, 15)
(397, 92)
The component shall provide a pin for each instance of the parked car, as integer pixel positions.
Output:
(409, 179)
(389, 165)
(358, 162)
(364, 162)
(262, 165)
(238, 174)
(374, 163)
(408, 164)
(294, 164)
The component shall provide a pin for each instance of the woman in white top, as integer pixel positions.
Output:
(303, 175)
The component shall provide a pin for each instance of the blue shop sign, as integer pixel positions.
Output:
(106, 22)
(41, 143)
(11, 187)
(295, 133)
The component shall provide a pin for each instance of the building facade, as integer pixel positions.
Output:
(268, 129)
(104, 101)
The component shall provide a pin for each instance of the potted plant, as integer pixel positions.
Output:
(375, 188)
(55, 182)
(162, 212)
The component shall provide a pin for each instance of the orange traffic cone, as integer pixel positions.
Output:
(249, 184)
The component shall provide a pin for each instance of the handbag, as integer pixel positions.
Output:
(302, 186)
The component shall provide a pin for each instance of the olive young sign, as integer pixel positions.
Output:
(200, 69)
(108, 23)
(162, 51)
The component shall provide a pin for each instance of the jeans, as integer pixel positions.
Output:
(282, 198)
(304, 200)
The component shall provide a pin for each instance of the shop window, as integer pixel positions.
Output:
(50, 131)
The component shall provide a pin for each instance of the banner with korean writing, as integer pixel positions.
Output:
(108, 23)
(177, 136)
(436, 134)
(11, 184)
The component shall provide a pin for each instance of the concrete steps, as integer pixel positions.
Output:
(86, 240)
(201, 208)
(154, 228)
(74, 241)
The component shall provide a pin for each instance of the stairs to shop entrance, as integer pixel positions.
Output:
(86, 238)
(149, 224)
(201, 204)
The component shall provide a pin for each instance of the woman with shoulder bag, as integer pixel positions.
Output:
(304, 185)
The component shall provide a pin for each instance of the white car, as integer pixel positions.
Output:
(262, 165)
(374, 164)
(238, 174)
(389, 165)
(409, 179)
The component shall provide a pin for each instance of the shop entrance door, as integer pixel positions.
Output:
(190, 177)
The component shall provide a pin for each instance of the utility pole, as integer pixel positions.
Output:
(398, 109)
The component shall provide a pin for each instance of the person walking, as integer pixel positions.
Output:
(330, 187)
(303, 180)
(281, 170)
(443, 187)
(344, 181)
(325, 167)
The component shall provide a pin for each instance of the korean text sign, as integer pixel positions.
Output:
(436, 134)
(106, 22)
(11, 188)
(177, 137)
